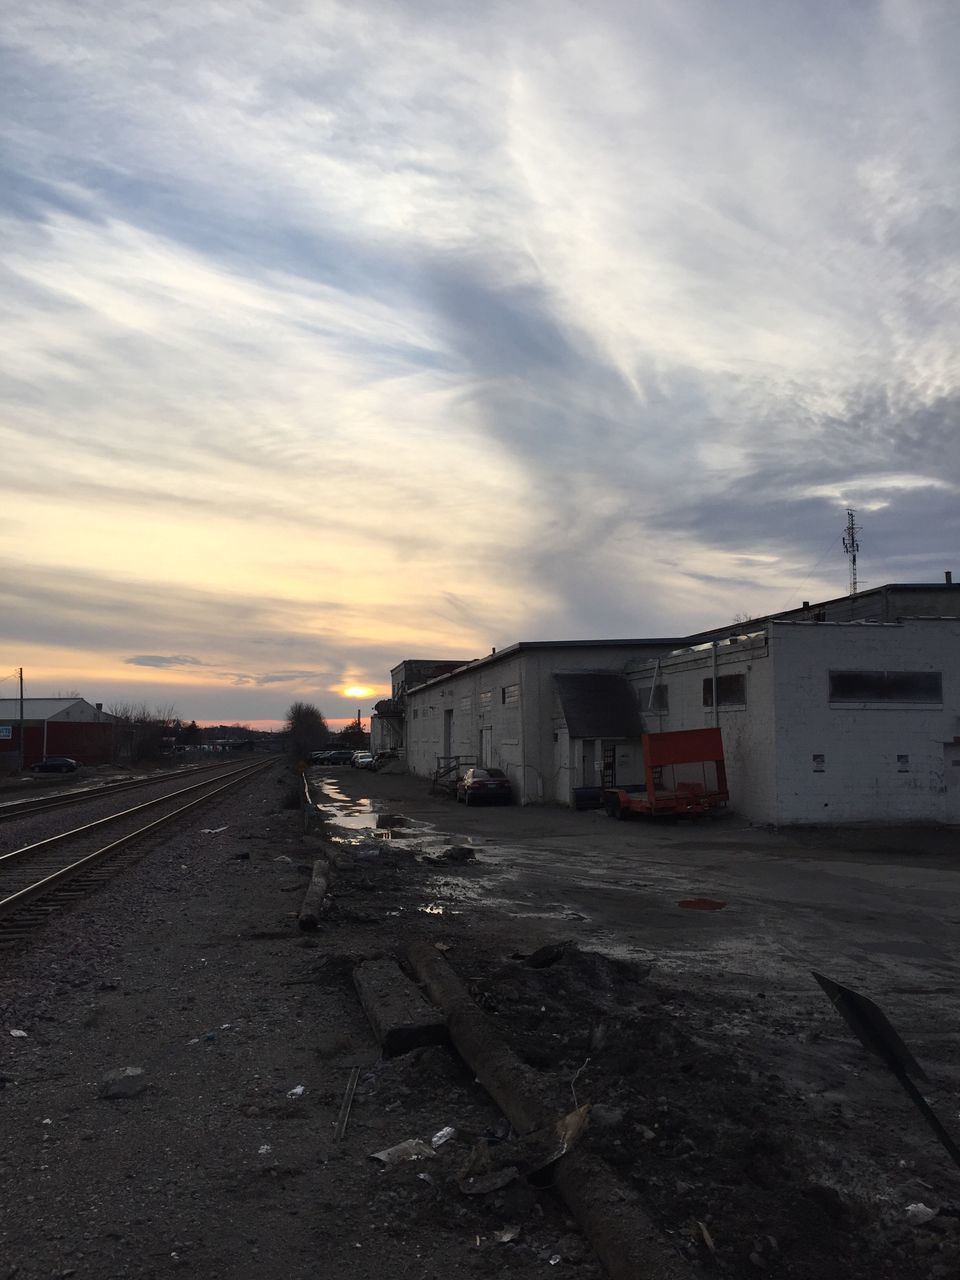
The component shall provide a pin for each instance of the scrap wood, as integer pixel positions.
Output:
(625, 1239)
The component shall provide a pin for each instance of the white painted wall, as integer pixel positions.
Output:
(862, 780)
(749, 732)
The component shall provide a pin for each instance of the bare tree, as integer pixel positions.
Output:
(146, 727)
(307, 729)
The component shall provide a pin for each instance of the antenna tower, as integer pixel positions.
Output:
(851, 546)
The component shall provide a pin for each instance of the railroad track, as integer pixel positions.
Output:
(40, 878)
(11, 810)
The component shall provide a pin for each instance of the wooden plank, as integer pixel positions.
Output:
(400, 1016)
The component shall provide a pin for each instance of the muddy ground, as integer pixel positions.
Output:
(723, 1085)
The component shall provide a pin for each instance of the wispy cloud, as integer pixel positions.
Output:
(339, 334)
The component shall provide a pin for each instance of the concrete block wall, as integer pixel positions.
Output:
(860, 778)
(749, 732)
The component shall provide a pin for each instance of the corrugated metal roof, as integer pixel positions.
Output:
(47, 708)
(598, 704)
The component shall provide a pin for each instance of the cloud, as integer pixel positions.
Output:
(156, 660)
(343, 334)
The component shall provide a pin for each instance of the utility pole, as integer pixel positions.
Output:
(20, 673)
(851, 546)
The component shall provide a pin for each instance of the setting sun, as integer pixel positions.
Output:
(358, 691)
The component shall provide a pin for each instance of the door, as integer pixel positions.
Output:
(448, 732)
(609, 765)
(588, 762)
(951, 779)
(486, 745)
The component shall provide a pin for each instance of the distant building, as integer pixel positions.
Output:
(55, 727)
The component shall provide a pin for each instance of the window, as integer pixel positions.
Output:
(486, 698)
(886, 686)
(465, 702)
(510, 695)
(731, 691)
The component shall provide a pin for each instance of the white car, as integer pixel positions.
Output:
(361, 759)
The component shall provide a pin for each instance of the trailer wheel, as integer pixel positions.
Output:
(614, 808)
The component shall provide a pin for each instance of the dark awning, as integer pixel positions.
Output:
(599, 704)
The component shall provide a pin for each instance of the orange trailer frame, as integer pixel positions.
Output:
(664, 751)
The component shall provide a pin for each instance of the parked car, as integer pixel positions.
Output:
(484, 784)
(381, 757)
(55, 764)
(361, 759)
(333, 757)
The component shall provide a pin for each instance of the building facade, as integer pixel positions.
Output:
(55, 727)
(826, 722)
(843, 711)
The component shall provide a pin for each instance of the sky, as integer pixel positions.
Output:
(338, 334)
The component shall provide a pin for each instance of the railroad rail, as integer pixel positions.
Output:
(40, 877)
(12, 810)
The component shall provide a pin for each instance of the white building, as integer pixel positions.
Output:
(551, 715)
(847, 710)
(825, 722)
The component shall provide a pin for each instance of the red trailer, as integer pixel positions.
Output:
(683, 771)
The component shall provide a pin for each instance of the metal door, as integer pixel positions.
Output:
(588, 758)
(486, 745)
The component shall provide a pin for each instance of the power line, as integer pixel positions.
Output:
(797, 590)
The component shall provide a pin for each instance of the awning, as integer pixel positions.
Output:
(599, 704)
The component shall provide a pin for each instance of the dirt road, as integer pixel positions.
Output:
(723, 1085)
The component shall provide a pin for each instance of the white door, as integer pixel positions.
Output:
(951, 778)
(486, 745)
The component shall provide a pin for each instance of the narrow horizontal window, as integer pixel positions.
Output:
(510, 695)
(486, 698)
(886, 686)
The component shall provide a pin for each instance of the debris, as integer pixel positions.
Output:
(19, 1035)
(507, 1235)
(555, 1259)
(313, 899)
(701, 904)
(441, 1136)
(212, 831)
(412, 1149)
(707, 1237)
(347, 1103)
(195, 1040)
(458, 853)
(297, 1091)
(919, 1213)
(646, 1133)
(282, 857)
(544, 1146)
(123, 1082)
(443, 946)
(398, 1013)
(265, 1149)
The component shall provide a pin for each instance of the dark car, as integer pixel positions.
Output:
(484, 784)
(381, 758)
(55, 764)
(336, 757)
